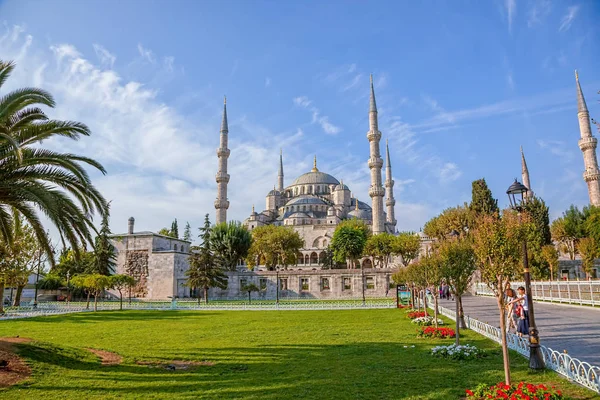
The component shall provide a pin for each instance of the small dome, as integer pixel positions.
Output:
(274, 193)
(317, 177)
(305, 199)
(341, 186)
(299, 215)
(360, 214)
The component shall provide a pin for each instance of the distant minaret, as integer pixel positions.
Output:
(525, 175)
(390, 202)
(376, 190)
(588, 144)
(280, 175)
(221, 203)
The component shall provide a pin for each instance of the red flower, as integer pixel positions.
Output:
(469, 392)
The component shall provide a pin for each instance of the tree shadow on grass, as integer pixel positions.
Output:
(378, 370)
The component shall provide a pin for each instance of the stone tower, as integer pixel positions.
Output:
(588, 144)
(280, 175)
(376, 190)
(390, 202)
(525, 175)
(221, 203)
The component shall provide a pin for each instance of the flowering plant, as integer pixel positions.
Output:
(521, 391)
(416, 314)
(426, 321)
(433, 332)
(460, 352)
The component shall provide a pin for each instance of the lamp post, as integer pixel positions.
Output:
(277, 284)
(68, 287)
(516, 196)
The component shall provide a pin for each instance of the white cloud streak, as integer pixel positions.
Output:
(567, 19)
(323, 120)
(106, 58)
(146, 54)
(511, 9)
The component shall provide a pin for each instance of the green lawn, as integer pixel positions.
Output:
(357, 354)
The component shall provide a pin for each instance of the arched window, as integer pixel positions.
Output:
(175, 247)
(306, 259)
(314, 258)
(318, 189)
(302, 190)
(310, 189)
(324, 243)
(367, 263)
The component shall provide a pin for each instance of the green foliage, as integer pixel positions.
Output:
(165, 232)
(249, 288)
(35, 180)
(51, 282)
(588, 250)
(274, 246)
(104, 252)
(459, 220)
(229, 243)
(482, 201)
(94, 284)
(349, 240)
(380, 248)
(407, 245)
(69, 262)
(550, 255)
(457, 259)
(119, 283)
(187, 232)
(538, 236)
(592, 223)
(174, 229)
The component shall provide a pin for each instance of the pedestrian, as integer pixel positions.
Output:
(447, 292)
(522, 310)
(511, 316)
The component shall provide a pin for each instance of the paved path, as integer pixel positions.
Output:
(572, 328)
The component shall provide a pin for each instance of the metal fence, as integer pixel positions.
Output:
(573, 369)
(568, 292)
(57, 308)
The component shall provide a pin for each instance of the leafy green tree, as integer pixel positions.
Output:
(174, 229)
(482, 201)
(187, 232)
(250, 287)
(568, 229)
(229, 243)
(51, 282)
(104, 252)
(35, 180)
(274, 246)
(380, 248)
(538, 236)
(121, 282)
(588, 250)
(80, 282)
(165, 232)
(327, 260)
(204, 272)
(407, 245)
(497, 243)
(550, 255)
(349, 241)
(70, 263)
(92, 284)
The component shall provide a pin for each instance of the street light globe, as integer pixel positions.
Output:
(516, 193)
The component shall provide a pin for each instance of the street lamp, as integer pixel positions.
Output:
(277, 285)
(516, 196)
(68, 287)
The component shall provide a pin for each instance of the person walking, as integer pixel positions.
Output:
(522, 310)
(511, 315)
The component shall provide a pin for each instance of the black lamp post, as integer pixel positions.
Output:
(517, 196)
(277, 285)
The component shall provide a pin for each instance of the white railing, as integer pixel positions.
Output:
(56, 308)
(573, 369)
(568, 292)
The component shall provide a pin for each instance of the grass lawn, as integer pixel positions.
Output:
(345, 354)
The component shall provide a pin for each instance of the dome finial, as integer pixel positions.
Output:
(252, 208)
(315, 169)
(356, 208)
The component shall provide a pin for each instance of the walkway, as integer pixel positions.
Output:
(572, 328)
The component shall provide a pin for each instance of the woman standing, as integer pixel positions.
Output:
(522, 309)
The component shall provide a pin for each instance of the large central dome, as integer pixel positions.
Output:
(315, 177)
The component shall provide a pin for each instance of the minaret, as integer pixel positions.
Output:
(376, 190)
(390, 202)
(525, 175)
(588, 144)
(280, 175)
(221, 203)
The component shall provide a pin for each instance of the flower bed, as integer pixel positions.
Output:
(521, 391)
(416, 314)
(460, 352)
(426, 321)
(433, 332)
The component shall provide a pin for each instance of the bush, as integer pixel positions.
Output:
(416, 314)
(426, 321)
(433, 332)
(520, 391)
(460, 352)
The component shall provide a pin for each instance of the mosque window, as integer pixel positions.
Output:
(262, 284)
(370, 282)
(347, 283)
(304, 284)
(175, 247)
(283, 284)
(243, 282)
(325, 284)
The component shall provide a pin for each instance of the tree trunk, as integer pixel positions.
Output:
(1, 297)
(505, 355)
(17, 301)
(425, 302)
(120, 300)
(95, 302)
(435, 310)
(87, 306)
(249, 298)
(457, 310)
(197, 290)
(205, 294)
(461, 312)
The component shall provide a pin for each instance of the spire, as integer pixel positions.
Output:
(224, 127)
(356, 204)
(581, 106)
(525, 174)
(315, 169)
(387, 157)
(280, 175)
(372, 104)
(390, 202)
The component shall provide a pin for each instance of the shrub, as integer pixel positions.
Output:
(520, 391)
(433, 332)
(416, 314)
(426, 321)
(460, 352)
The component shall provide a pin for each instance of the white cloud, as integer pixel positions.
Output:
(539, 10)
(449, 172)
(567, 19)
(146, 54)
(267, 81)
(168, 63)
(557, 148)
(510, 81)
(511, 9)
(322, 120)
(106, 58)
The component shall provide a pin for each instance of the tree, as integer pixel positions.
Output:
(538, 236)
(69, 263)
(588, 249)
(459, 220)
(97, 284)
(274, 246)
(80, 282)
(165, 232)
(568, 229)
(550, 255)
(407, 245)
(380, 248)
(250, 287)
(497, 243)
(229, 243)
(349, 240)
(51, 282)
(174, 229)
(121, 282)
(327, 260)
(204, 272)
(482, 201)
(187, 232)
(104, 252)
(34, 180)
(458, 265)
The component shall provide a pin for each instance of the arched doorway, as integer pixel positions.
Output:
(367, 263)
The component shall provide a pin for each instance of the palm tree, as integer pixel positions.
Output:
(33, 179)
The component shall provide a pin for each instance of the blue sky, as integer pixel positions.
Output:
(460, 86)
